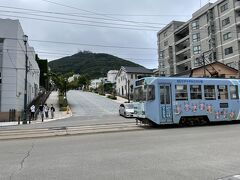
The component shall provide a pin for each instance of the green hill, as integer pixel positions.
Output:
(94, 64)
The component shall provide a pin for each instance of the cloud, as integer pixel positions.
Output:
(53, 31)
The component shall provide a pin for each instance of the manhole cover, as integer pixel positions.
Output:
(57, 128)
(233, 177)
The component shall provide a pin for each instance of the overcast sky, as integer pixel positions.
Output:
(124, 23)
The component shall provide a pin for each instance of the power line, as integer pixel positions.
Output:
(91, 25)
(79, 20)
(76, 15)
(85, 44)
(90, 12)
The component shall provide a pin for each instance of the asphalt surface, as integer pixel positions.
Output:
(207, 152)
(199, 153)
(87, 108)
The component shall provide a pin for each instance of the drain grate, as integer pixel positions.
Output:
(58, 128)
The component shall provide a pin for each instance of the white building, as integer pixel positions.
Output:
(72, 78)
(111, 75)
(126, 77)
(95, 83)
(12, 69)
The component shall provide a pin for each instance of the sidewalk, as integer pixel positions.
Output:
(120, 100)
(52, 99)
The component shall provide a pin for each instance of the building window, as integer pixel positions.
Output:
(161, 64)
(131, 76)
(161, 54)
(228, 51)
(165, 43)
(209, 92)
(197, 49)
(162, 73)
(196, 92)
(198, 62)
(181, 92)
(224, 7)
(165, 34)
(225, 21)
(210, 44)
(222, 92)
(227, 36)
(196, 37)
(234, 92)
(195, 25)
(209, 30)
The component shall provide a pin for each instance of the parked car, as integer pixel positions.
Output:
(126, 110)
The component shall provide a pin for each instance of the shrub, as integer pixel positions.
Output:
(112, 97)
(62, 103)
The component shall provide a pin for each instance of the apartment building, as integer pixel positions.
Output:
(12, 69)
(212, 34)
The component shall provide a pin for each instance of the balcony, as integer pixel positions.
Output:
(183, 57)
(182, 40)
(183, 67)
(237, 5)
(182, 51)
(182, 33)
(184, 61)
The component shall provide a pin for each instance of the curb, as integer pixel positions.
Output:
(63, 131)
(39, 121)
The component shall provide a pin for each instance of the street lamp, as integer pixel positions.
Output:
(65, 80)
(25, 40)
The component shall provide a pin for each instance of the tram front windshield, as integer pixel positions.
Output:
(139, 94)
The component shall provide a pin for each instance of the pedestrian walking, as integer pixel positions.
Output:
(41, 111)
(46, 109)
(32, 110)
(52, 109)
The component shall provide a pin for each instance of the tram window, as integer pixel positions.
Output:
(151, 92)
(162, 94)
(196, 92)
(165, 96)
(139, 94)
(222, 92)
(181, 92)
(209, 92)
(234, 92)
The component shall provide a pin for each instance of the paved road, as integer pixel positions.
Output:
(87, 108)
(199, 153)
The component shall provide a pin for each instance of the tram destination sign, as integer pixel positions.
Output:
(196, 81)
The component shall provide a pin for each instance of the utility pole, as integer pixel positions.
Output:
(128, 82)
(25, 39)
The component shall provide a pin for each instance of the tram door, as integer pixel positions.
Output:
(165, 103)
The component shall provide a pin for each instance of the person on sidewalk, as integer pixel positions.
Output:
(41, 111)
(46, 109)
(32, 110)
(52, 109)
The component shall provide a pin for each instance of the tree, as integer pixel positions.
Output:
(84, 81)
(60, 82)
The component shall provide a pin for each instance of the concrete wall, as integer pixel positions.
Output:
(13, 67)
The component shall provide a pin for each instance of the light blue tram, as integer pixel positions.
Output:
(173, 100)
